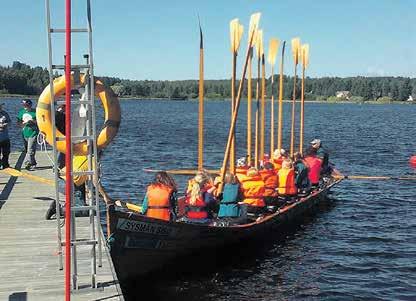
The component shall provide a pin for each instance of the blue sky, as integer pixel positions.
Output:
(159, 39)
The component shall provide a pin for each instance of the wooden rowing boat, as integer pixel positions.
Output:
(140, 245)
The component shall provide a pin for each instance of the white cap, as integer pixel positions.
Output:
(316, 141)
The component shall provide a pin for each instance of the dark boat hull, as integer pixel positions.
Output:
(140, 245)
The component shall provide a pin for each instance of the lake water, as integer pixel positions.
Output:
(362, 247)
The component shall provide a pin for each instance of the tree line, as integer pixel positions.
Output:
(20, 78)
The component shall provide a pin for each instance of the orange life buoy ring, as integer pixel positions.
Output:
(112, 114)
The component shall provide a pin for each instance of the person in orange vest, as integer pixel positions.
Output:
(160, 198)
(287, 188)
(314, 167)
(278, 156)
(271, 183)
(200, 199)
(242, 167)
(252, 189)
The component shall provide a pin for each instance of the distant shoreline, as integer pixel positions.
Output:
(35, 97)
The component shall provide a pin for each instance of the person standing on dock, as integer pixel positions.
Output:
(26, 118)
(4, 137)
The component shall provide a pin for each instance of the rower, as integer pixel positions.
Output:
(314, 167)
(252, 188)
(271, 182)
(278, 156)
(160, 198)
(323, 155)
(287, 189)
(301, 175)
(230, 210)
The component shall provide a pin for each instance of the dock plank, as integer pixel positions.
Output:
(29, 267)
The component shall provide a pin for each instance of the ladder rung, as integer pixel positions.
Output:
(82, 242)
(75, 138)
(73, 67)
(82, 208)
(63, 30)
(75, 102)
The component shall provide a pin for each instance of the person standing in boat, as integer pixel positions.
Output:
(252, 188)
(323, 155)
(313, 163)
(200, 199)
(26, 118)
(287, 187)
(301, 174)
(160, 198)
(4, 137)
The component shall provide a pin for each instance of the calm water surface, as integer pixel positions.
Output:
(361, 247)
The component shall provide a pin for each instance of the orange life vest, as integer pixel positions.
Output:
(158, 199)
(197, 210)
(253, 190)
(270, 182)
(287, 182)
(277, 163)
(314, 165)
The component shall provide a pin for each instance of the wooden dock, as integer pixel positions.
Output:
(29, 266)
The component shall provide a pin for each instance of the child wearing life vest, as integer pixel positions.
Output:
(200, 199)
(229, 207)
(287, 187)
(160, 198)
(271, 183)
(252, 188)
(301, 174)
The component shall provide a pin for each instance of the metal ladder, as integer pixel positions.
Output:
(92, 198)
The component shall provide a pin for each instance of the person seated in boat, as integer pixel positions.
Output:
(287, 188)
(200, 200)
(313, 163)
(159, 201)
(265, 160)
(252, 188)
(242, 166)
(278, 156)
(271, 182)
(323, 155)
(229, 207)
(301, 175)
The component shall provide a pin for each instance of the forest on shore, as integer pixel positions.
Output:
(22, 79)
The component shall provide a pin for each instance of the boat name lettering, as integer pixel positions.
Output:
(143, 227)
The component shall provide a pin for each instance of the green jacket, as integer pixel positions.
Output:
(30, 128)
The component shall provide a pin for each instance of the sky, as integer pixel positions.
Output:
(159, 40)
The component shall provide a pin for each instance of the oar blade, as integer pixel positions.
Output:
(233, 34)
(259, 43)
(305, 55)
(273, 47)
(254, 25)
(295, 49)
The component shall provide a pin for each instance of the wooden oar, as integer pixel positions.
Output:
(17, 173)
(305, 62)
(236, 33)
(295, 52)
(201, 101)
(259, 51)
(360, 177)
(271, 59)
(249, 105)
(254, 21)
(263, 106)
(280, 113)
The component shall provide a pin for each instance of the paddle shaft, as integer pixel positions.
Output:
(280, 113)
(360, 177)
(263, 106)
(232, 154)
(257, 121)
(302, 111)
(249, 104)
(292, 131)
(272, 113)
(201, 103)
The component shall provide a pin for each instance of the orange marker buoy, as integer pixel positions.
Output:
(412, 161)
